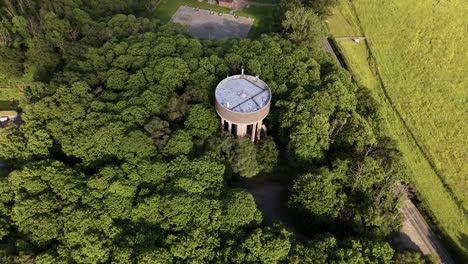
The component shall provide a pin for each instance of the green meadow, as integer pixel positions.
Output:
(421, 55)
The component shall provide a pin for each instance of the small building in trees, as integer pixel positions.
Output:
(242, 102)
(226, 3)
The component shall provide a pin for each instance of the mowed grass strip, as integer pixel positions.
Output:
(263, 16)
(445, 212)
(342, 22)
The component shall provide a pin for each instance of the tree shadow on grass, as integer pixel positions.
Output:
(463, 240)
(4, 105)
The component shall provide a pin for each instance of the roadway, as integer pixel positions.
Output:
(418, 232)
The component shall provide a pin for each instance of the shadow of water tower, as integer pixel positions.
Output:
(242, 102)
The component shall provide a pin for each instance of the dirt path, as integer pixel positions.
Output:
(328, 46)
(271, 198)
(416, 232)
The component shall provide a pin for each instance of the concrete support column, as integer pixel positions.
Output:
(254, 132)
(259, 129)
(241, 130)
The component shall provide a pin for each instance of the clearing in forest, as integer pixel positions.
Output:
(420, 53)
(6, 94)
(212, 25)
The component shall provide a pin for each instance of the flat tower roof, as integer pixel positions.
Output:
(243, 93)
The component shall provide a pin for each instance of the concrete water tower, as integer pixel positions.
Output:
(242, 102)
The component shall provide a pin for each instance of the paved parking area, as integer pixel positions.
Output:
(201, 24)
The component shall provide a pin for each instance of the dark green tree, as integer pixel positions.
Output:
(244, 158)
(302, 26)
(43, 191)
(239, 211)
(320, 195)
(268, 245)
(267, 154)
(179, 144)
(410, 257)
(201, 122)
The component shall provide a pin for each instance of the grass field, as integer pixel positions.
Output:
(5, 95)
(422, 55)
(263, 16)
(421, 65)
(264, 1)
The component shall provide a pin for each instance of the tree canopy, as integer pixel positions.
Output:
(120, 157)
(303, 26)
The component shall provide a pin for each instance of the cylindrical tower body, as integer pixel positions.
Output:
(242, 102)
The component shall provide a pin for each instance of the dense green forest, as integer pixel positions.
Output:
(120, 158)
